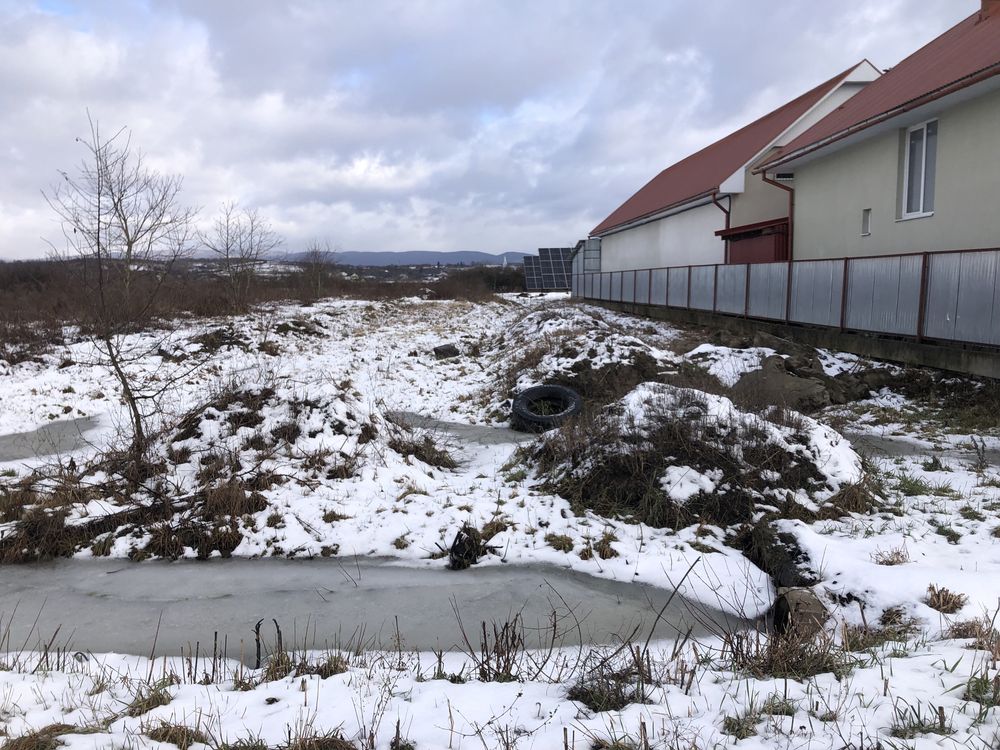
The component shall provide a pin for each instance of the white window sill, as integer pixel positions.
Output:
(911, 217)
(866, 234)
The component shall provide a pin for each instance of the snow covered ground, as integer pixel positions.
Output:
(347, 480)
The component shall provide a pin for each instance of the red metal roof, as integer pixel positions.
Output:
(700, 174)
(959, 57)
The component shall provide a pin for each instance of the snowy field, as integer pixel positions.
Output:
(294, 419)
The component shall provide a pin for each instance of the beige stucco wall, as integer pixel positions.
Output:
(832, 192)
(687, 238)
(759, 202)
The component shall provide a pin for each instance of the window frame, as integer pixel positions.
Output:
(904, 214)
(866, 222)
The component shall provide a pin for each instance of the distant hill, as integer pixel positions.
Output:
(419, 258)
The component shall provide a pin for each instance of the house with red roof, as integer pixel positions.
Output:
(911, 164)
(712, 207)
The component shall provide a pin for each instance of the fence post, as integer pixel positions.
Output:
(689, 288)
(635, 282)
(746, 293)
(715, 289)
(843, 294)
(922, 309)
(788, 293)
(649, 288)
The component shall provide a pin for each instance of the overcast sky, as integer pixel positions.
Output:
(414, 124)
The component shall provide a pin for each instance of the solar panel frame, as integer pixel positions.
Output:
(556, 267)
(532, 274)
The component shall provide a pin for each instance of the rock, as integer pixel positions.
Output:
(446, 351)
(876, 380)
(805, 365)
(772, 384)
(731, 340)
(782, 346)
(799, 612)
(778, 554)
(850, 385)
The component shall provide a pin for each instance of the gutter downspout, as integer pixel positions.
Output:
(728, 212)
(791, 211)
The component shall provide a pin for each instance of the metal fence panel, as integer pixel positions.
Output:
(883, 294)
(606, 287)
(658, 287)
(677, 287)
(628, 286)
(702, 287)
(588, 286)
(731, 292)
(768, 290)
(817, 292)
(941, 310)
(616, 286)
(642, 287)
(978, 314)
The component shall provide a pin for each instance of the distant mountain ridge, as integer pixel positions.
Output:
(419, 258)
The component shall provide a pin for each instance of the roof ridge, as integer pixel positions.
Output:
(963, 52)
(643, 204)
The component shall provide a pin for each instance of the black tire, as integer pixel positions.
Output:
(544, 407)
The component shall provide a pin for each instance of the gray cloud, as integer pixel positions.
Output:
(414, 124)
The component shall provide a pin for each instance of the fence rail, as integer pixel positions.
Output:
(945, 296)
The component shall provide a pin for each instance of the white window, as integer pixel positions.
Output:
(920, 170)
(866, 222)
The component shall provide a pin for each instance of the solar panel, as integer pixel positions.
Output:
(556, 267)
(532, 274)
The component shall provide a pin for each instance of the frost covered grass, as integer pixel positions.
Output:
(752, 688)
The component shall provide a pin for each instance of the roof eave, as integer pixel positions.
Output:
(931, 96)
(646, 218)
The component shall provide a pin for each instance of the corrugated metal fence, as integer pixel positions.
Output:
(950, 296)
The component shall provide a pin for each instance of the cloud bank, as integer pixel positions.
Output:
(414, 124)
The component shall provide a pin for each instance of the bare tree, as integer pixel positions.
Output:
(123, 229)
(241, 239)
(317, 267)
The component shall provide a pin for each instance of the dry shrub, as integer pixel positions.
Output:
(606, 688)
(602, 547)
(40, 534)
(176, 734)
(423, 449)
(149, 697)
(288, 432)
(311, 740)
(857, 497)
(604, 463)
(982, 632)
(282, 664)
(766, 656)
(559, 542)
(231, 500)
(944, 600)
(892, 556)
(46, 738)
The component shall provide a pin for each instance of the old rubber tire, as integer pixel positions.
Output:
(544, 407)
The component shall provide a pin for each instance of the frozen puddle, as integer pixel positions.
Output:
(901, 446)
(64, 436)
(113, 606)
(464, 433)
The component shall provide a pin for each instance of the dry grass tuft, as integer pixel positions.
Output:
(45, 738)
(944, 600)
(176, 734)
(892, 556)
(767, 656)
